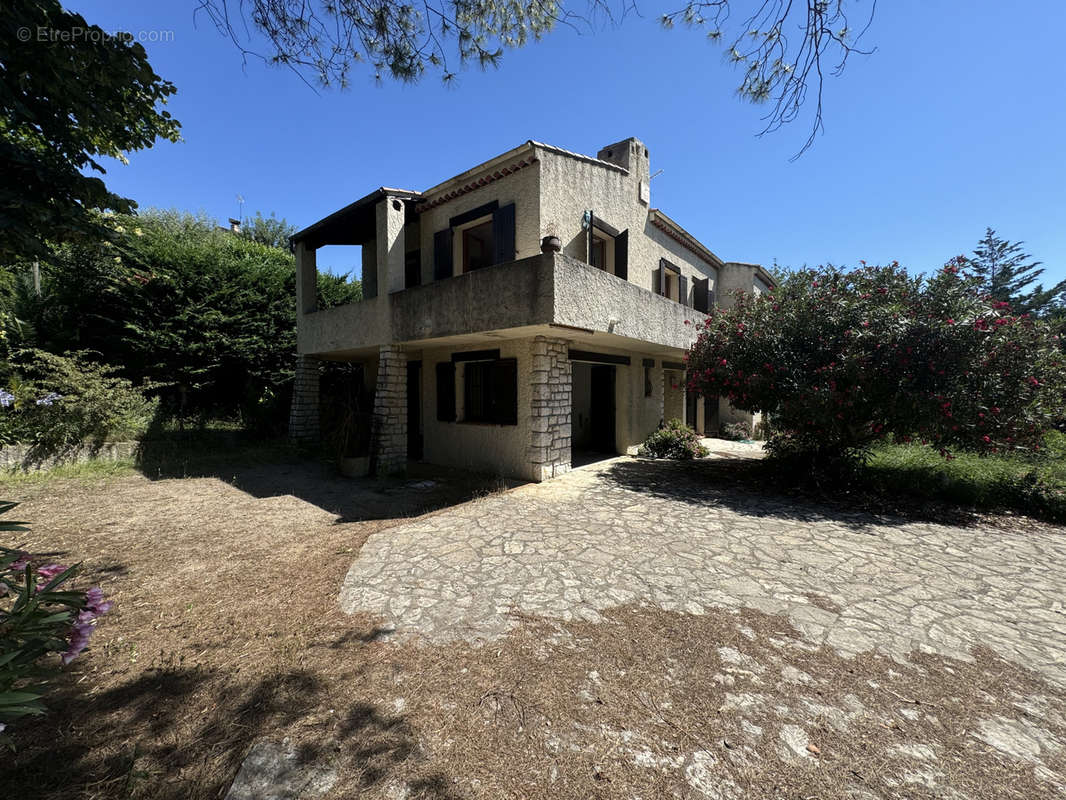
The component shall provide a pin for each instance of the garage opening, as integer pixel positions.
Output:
(593, 413)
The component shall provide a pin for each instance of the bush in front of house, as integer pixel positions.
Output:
(674, 440)
(44, 624)
(56, 403)
(844, 359)
(735, 431)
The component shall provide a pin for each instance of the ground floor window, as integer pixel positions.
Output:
(490, 391)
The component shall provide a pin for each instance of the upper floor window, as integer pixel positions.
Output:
(475, 239)
(477, 246)
(669, 282)
(608, 248)
(598, 252)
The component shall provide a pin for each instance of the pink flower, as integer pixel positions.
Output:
(49, 571)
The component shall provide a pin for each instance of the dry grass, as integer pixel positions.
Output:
(226, 630)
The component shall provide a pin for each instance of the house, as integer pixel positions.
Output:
(517, 316)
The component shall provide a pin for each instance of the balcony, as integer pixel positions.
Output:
(545, 294)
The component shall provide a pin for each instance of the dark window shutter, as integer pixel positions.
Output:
(412, 268)
(446, 391)
(442, 254)
(503, 233)
(621, 255)
(657, 280)
(682, 290)
(700, 294)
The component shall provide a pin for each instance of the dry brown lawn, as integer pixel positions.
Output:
(225, 630)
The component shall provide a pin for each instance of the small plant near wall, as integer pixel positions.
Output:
(736, 431)
(44, 625)
(674, 440)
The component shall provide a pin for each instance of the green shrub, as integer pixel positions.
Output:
(735, 431)
(58, 403)
(38, 620)
(674, 440)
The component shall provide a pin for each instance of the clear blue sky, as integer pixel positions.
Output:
(957, 122)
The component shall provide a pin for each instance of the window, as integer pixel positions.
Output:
(647, 381)
(490, 391)
(478, 246)
(598, 253)
(475, 239)
(446, 391)
(671, 287)
(670, 283)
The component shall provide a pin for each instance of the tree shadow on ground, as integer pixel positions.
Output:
(272, 468)
(752, 487)
(182, 734)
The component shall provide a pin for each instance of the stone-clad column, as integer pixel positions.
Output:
(388, 446)
(551, 384)
(303, 414)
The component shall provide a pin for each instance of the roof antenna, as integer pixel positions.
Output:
(658, 172)
(240, 207)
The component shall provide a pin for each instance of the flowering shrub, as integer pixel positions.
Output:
(38, 619)
(56, 403)
(843, 359)
(674, 440)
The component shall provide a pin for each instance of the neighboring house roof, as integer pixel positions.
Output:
(680, 235)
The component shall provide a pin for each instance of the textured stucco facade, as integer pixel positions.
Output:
(629, 307)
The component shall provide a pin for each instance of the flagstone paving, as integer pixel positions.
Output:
(633, 531)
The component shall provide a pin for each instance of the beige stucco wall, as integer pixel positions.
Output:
(673, 395)
(521, 188)
(497, 449)
(570, 186)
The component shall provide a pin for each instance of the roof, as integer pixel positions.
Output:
(676, 232)
(579, 156)
(353, 224)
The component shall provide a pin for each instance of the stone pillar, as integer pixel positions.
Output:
(303, 415)
(551, 384)
(306, 280)
(388, 445)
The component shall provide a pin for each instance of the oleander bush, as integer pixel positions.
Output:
(845, 359)
(44, 625)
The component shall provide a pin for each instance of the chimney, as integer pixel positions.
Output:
(631, 155)
(234, 225)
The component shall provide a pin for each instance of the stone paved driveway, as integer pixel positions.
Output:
(633, 531)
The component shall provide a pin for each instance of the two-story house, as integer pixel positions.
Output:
(517, 316)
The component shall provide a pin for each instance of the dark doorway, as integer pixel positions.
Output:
(592, 418)
(414, 410)
(691, 414)
(601, 395)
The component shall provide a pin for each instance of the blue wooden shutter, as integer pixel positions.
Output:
(503, 233)
(442, 254)
(621, 255)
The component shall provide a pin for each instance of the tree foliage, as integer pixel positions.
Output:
(70, 94)
(782, 50)
(1007, 272)
(205, 315)
(271, 231)
(840, 359)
